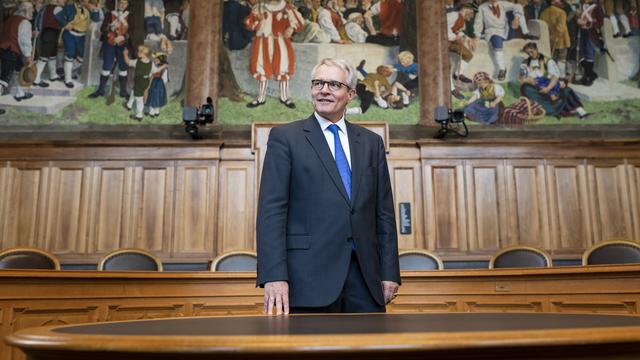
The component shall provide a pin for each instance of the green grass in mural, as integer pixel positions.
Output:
(95, 111)
(237, 113)
(602, 113)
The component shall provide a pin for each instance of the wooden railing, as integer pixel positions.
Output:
(37, 298)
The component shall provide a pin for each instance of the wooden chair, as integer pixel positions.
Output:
(418, 259)
(28, 258)
(520, 257)
(130, 259)
(612, 252)
(235, 261)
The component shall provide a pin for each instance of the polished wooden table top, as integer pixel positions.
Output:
(342, 336)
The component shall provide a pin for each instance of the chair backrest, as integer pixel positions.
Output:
(28, 258)
(418, 259)
(520, 257)
(130, 260)
(235, 261)
(612, 252)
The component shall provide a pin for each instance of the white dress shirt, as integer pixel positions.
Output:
(344, 137)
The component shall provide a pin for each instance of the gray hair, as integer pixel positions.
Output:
(343, 65)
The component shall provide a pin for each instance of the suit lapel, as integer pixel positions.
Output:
(319, 143)
(357, 161)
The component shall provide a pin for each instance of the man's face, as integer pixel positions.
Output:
(29, 10)
(331, 104)
(122, 5)
(315, 4)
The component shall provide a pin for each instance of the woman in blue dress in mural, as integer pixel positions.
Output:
(157, 93)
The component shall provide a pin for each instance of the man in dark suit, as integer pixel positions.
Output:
(326, 230)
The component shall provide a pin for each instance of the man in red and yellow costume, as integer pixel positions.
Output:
(272, 52)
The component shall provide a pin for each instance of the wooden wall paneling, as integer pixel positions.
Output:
(527, 304)
(444, 198)
(236, 226)
(42, 314)
(5, 194)
(196, 213)
(609, 193)
(67, 220)
(406, 181)
(111, 207)
(151, 309)
(486, 205)
(528, 220)
(633, 174)
(153, 191)
(570, 226)
(25, 217)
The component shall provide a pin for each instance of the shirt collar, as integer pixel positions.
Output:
(324, 123)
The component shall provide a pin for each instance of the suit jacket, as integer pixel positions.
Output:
(306, 222)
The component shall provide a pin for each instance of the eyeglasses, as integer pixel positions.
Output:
(333, 85)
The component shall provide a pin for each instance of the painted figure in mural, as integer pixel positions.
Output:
(485, 105)
(311, 31)
(556, 17)
(540, 81)
(272, 53)
(615, 9)
(541, 72)
(534, 9)
(48, 29)
(157, 93)
(143, 68)
(115, 39)
(590, 20)
(16, 48)
(354, 28)
(234, 34)
(461, 46)
(376, 87)
(353, 6)
(389, 14)
(491, 22)
(407, 72)
(176, 28)
(75, 18)
(331, 21)
(153, 19)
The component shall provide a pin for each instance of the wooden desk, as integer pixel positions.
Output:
(368, 336)
(36, 298)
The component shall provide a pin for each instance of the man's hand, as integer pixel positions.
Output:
(390, 289)
(277, 293)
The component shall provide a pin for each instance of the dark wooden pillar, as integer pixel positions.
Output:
(205, 29)
(433, 58)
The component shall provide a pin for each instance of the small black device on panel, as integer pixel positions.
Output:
(450, 121)
(193, 117)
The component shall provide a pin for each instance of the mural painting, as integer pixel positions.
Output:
(513, 63)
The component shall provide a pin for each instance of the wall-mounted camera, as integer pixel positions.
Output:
(194, 117)
(450, 121)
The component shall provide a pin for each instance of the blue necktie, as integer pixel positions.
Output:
(343, 164)
(341, 159)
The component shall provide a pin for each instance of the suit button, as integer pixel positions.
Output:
(353, 211)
